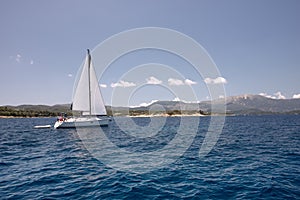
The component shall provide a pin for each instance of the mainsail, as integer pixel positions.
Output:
(87, 97)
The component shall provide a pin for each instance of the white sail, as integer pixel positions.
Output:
(87, 97)
(81, 95)
(97, 104)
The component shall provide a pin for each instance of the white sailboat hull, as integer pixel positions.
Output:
(82, 122)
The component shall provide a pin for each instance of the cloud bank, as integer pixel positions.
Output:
(296, 96)
(276, 95)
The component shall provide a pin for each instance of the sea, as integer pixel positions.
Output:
(254, 157)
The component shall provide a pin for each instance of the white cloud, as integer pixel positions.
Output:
(279, 95)
(103, 85)
(154, 81)
(148, 104)
(70, 75)
(189, 82)
(276, 95)
(144, 104)
(218, 80)
(173, 81)
(176, 82)
(123, 84)
(296, 96)
(176, 99)
(266, 95)
(184, 101)
(18, 58)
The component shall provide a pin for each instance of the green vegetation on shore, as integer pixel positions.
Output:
(145, 112)
(31, 111)
(53, 111)
(236, 105)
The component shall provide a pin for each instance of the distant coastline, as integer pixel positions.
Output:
(12, 117)
(235, 105)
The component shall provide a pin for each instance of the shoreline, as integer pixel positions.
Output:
(159, 115)
(11, 117)
(166, 115)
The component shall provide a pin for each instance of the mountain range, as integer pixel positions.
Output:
(235, 105)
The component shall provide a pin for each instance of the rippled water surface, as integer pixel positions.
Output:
(256, 157)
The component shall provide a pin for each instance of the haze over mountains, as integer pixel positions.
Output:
(235, 105)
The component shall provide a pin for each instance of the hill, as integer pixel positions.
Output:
(235, 105)
(34, 110)
(256, 104)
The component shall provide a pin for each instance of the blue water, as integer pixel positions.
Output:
(256, 157)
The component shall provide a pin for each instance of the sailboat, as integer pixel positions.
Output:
(87, 101)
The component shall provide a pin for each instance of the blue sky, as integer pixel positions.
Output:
(255, 44)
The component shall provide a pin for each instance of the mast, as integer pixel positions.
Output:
(89, 80)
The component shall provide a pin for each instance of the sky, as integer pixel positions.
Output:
(254, 44)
